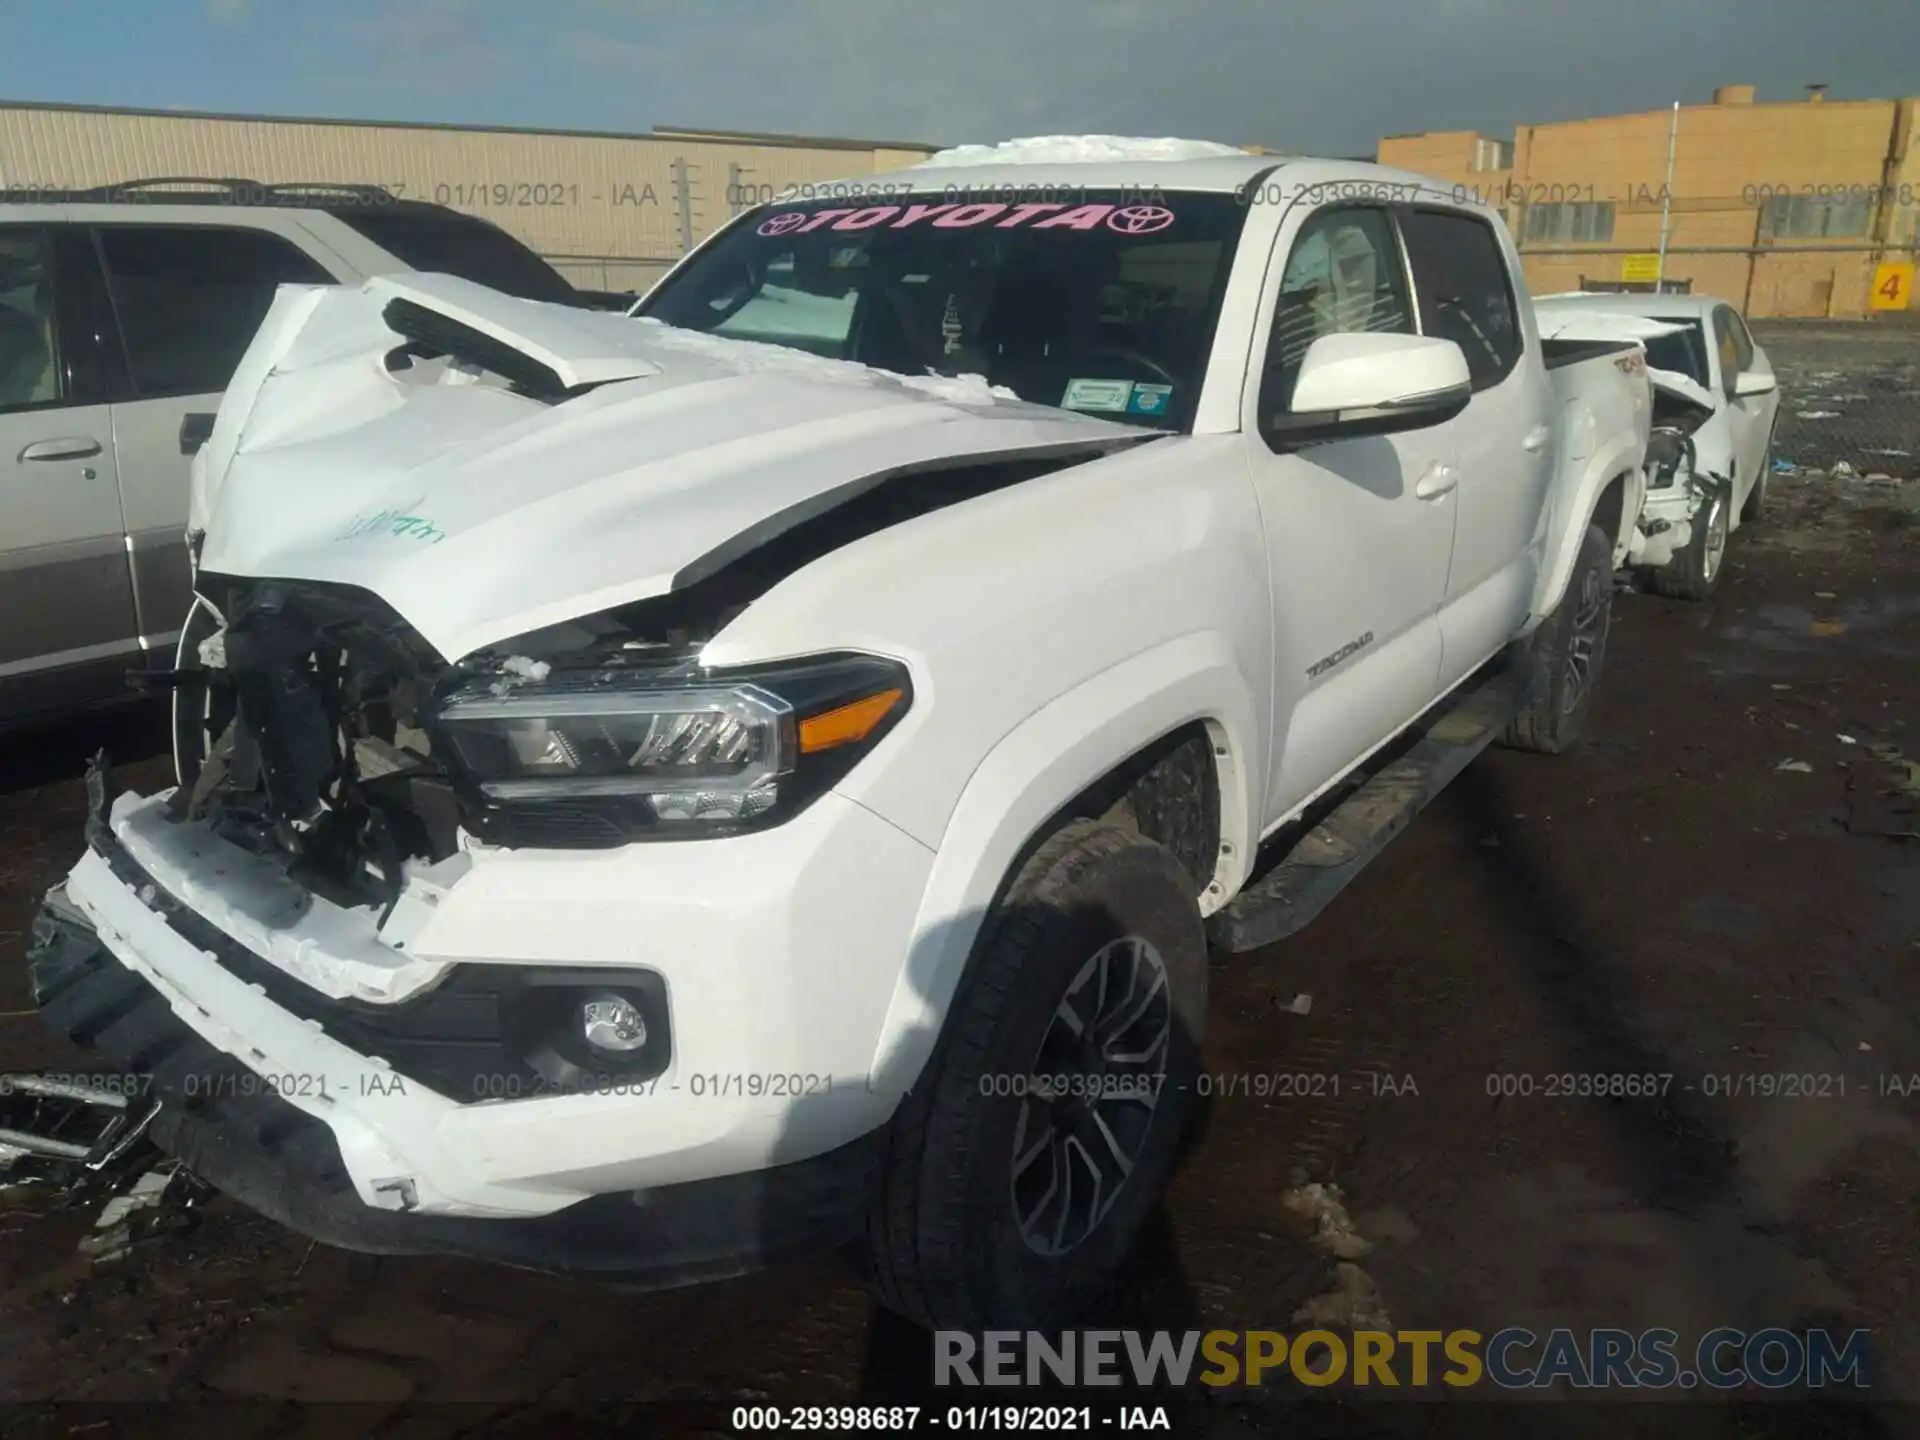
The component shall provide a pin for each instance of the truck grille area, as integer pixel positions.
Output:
(482, 1033)
(273, 1157)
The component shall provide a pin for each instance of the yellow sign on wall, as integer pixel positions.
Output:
(1639, 269)
(1892, 284)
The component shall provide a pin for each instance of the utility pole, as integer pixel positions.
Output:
(1666, 202)
(683, 195)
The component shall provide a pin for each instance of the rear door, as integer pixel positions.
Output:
(188, 297)
(1462, 277)
(66, 602)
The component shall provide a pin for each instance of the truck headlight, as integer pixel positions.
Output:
(689, 752)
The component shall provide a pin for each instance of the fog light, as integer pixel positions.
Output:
(611, 1023)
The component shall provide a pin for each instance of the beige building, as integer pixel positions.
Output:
(610, 210)
(1788, 208)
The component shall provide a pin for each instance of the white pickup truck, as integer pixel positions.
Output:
(652, 799)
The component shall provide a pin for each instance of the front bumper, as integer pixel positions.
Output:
(284, 1163)
(778, 954)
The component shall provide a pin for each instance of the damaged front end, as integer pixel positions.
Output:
(324, 732)
(308, 744)
(1678, 483)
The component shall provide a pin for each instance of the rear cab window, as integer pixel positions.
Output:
(1463, 289)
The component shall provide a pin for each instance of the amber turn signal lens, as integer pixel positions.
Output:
(848, 723)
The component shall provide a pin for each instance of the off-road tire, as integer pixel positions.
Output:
(943, 1244)
(1694, 573)
(1564, 655)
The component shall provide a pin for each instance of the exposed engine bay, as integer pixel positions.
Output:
(1678, 484)
(307, 731)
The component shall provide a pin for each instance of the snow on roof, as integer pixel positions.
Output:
(1078, 150)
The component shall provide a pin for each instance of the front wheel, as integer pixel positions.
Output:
(200, 714)
(1563, 656)
(1023, 1166)
(1694, 573)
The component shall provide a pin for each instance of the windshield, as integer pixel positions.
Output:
(1104, 303)
(1684, 351)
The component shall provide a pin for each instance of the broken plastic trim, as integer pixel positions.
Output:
(431, 334)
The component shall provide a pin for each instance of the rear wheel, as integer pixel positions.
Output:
(1563, 656)
(1023, 1166)
(1694, 573)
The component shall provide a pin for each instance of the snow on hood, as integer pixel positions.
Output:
(480, 514)
(1078, 149)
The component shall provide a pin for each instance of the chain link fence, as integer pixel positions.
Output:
(1849, 394)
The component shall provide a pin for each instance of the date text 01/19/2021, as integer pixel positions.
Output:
(916, 1419)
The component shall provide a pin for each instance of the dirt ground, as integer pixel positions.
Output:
(1666, 900)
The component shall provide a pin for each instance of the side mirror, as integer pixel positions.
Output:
(1370, 383)
(1755, 382)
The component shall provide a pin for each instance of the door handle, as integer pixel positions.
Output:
(1439, 480)
(196, 428)
(1536, 440)
(73, 447)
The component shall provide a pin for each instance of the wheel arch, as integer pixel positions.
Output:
(1611, 498)
(1085, 755)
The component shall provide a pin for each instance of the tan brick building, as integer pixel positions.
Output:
(1789, 208)
(610, 210)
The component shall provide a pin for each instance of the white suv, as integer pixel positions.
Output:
(123, 311)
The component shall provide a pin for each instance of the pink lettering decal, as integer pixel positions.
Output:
(969, 215)
(1026, 212)
(1086, 217)
(920, 212)
(820, 217)
(868, 218)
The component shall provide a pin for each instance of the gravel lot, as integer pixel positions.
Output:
(1667, 899)
(1851, 393)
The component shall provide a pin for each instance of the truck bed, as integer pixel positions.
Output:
(1556, 353)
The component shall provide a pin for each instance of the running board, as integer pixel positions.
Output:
(1287, 896)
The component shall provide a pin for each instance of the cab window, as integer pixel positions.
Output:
(1344, 276)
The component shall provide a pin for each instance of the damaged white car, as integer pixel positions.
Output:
(1716, 403)
(658, 793)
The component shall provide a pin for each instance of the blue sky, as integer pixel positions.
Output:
(1327, 75)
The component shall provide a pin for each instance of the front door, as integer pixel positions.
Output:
(1749, 417)
(1358, 558)
(66, 600)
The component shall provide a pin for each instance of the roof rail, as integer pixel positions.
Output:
(238, 190)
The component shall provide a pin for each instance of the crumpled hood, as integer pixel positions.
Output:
(480, 514)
